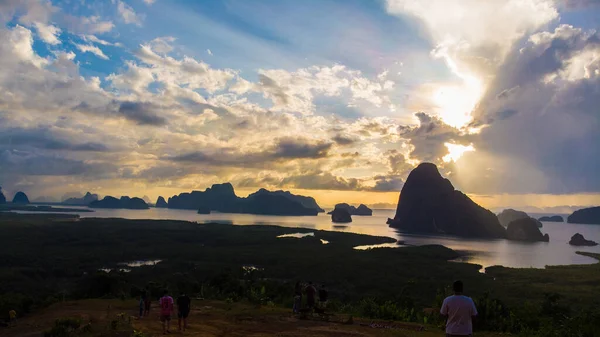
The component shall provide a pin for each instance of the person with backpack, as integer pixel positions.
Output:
(166, 309)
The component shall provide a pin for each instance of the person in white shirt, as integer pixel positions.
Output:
(459, 311)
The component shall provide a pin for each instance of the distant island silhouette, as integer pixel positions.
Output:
(222, 198)
(509, 215)
(340, 215)
(125, 202)
(525, 229)
(554, 218)
(589, 215)
(2, 197)
(87, 199)
(161, 203)
(20, 198)
(362, 209)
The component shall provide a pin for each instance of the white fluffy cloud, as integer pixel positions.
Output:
(48, 33)
(91, 49)
(128, 15)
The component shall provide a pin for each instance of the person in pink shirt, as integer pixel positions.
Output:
(166, 309)
(459, 311)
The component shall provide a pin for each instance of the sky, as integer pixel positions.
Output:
(338, 100)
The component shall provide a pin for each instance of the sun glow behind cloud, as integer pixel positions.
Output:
(455, 151)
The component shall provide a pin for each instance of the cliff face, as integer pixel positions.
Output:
(429, 203)
(525, 229)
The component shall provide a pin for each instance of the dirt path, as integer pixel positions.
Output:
(208, 318)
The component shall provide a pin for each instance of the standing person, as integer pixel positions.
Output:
(141, 304)
(297, 297)
(311, 291)
(183, 309)
(147, 304)
(459, 310)
(166, 309)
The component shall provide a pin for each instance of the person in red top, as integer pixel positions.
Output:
(166, 309)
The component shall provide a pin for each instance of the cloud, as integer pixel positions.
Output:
(301, 148)
(162, 44)
(94, 39)
(35, 164)
(44, 138)
(578, 4)
(91, 49)
(149, 2)
(429, 137)
(141, 112)
(186, 72)
(128, 15)
(87, 25)
(553, 82)
(19, 43)
(473, 38)
(320, 181)
(343, 140)
(48, 33)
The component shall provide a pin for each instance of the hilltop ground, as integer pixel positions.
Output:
(211, 318)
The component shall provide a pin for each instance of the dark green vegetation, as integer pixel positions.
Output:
(42, 209)
(46, 258)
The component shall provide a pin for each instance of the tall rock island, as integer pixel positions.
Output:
(429, 204)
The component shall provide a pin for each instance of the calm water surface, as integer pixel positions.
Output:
(483, 252)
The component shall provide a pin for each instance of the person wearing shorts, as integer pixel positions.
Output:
(166, 309)
(183, 310)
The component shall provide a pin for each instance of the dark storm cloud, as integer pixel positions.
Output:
(285, 148)
(343, 140)
(301, 148)
(35, 164)
(321, 181)
(142, 113)
(392, 183)
(551, 144)
(44, 138)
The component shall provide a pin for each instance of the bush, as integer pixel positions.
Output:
(63, 327)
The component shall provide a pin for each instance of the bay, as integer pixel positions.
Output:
(483, 252)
